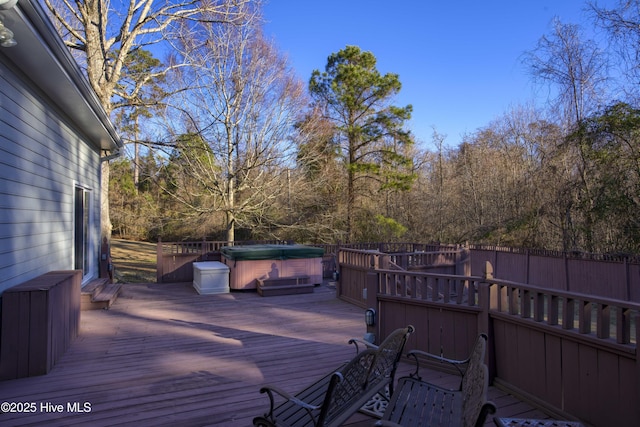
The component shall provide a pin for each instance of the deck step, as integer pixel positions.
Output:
(99, 294)
(284, 286)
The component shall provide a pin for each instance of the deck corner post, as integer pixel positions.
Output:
(463, 261)
(484, 305)
(637, 371)
(638, 361)
(371, 301)
(488, 271)
(159, 261)
(484, 324)
(106, 267)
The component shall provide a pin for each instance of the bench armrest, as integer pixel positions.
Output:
(270, 390)
(418, 354)
(366, 344)
(436, 357)
(487, 408)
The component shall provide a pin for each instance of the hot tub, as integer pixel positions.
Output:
(247, 264)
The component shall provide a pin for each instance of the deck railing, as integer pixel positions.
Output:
(422, 260)
(356, 266)
(572, 354)
(174, 260)
(616, 277)
(600, 318)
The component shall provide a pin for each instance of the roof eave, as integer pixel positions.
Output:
(43, 57)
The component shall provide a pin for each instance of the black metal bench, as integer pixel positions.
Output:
(419, 403)
(333, 399)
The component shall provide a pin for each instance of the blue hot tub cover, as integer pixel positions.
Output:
(259, 252)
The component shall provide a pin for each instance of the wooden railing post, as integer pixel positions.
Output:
(106, 267)
(488, 271)
(159, 261)
(486, 303)
(637, 417)
(484, 298)
(371, 299)
(383, 261)
(463, 262)
(494, 290)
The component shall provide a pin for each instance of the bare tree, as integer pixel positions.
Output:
(622, 24)
(316, 212)
(575, 68)
(243, 105)
(105, 38)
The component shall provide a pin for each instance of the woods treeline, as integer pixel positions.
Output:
(518, 182)
(227, 143)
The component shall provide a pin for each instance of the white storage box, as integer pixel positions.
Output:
(211, 277)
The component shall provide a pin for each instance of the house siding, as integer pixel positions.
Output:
(42, 158)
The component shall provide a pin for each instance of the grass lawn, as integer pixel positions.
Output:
(134, 262)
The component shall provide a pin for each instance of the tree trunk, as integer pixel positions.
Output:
(105, 219)
(231, 228)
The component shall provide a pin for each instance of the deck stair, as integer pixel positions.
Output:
(99, 294)
(284, 286)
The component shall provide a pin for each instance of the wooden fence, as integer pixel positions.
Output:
(604, 276)
(572, 354)
(356, 265)
(174, 260)
(615, 277)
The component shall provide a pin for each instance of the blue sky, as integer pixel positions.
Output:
(459, 62)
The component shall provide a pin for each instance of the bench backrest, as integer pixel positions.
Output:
(347, 386)
(370, 371)
(475, 383)
(389, 353)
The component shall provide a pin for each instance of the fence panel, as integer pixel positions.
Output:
(443, 309)
(603, 278)
(354, 293)
(174, 260)
(546, 271)
(607, 277)
(572, 353)
(512, 265)
(575, 357)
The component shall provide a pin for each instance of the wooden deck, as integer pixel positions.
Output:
(165, 355)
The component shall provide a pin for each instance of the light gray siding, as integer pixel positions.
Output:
(42, 158)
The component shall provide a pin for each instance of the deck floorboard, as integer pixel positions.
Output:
(165, 355)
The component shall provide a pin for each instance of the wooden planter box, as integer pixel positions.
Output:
(40, 319)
